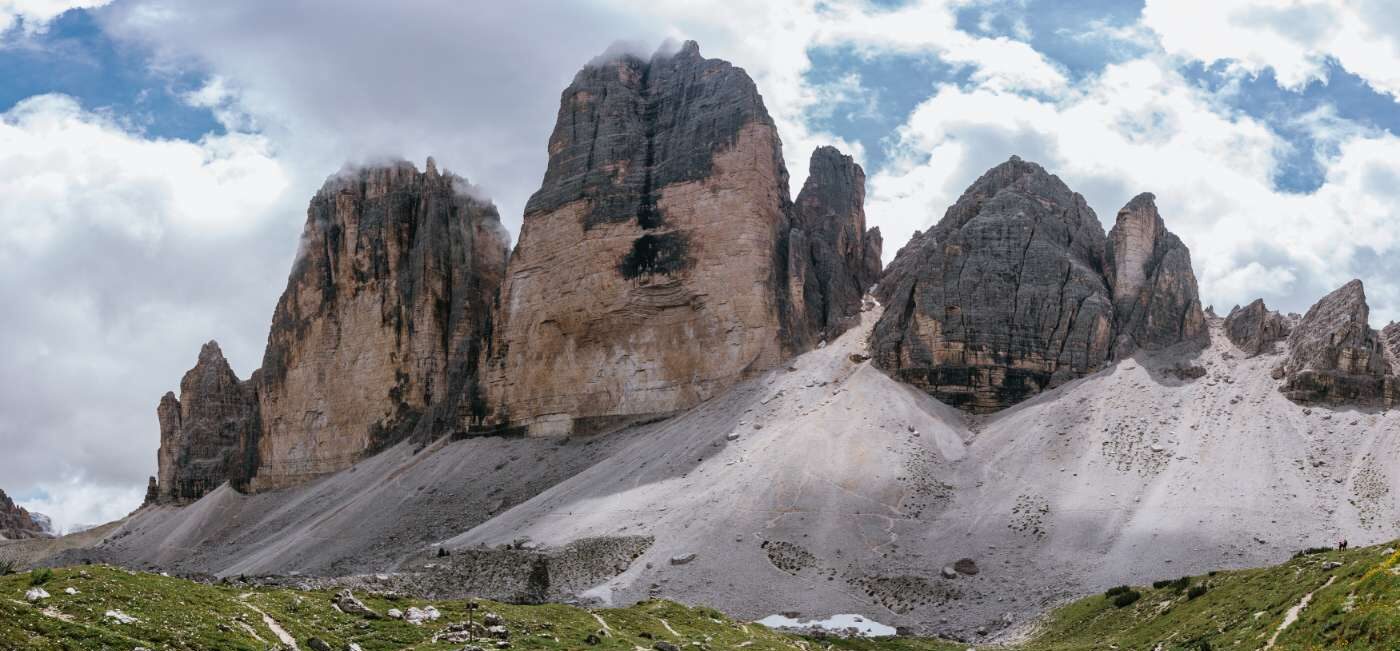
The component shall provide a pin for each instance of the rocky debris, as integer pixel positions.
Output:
(832, 258)
(348, 604)
(120, 617)
(966, 566)
(1334, 357)
(949, 572)
(393, 288)
(683, 559)
(1004, 298)
(17, 523)
(417, 616)
(665, 646)
(318, 644)
(35, 594)
(1390, 337)
(202, 433)
(1155, 300)
(665, 193)
(1255, 328)
(394, 613)
(70, 591)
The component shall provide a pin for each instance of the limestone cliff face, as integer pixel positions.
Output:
(1334, 357)
(1004, 298)
(651, 269)
(1255, 328)
(381, 326)
(17, 523)
(833, 259)
(202, 433)
(1155, 300)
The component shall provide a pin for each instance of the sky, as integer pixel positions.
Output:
(156, 156)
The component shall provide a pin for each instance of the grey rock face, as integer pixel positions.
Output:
(1255, 328)
(1004, 298)
(1390, 336)
(1154, 289)
(202, 432)
(833, 258)
(1335, 357)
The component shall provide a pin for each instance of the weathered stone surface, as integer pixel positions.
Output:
(16, 522)
(1004, 298)
(1255, 328)
(381, 326)
(1334, 357)
(1155, 300)
(1390, 337)
(202, 433)
(833, 259)
(651, 269)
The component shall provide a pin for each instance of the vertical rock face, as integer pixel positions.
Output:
(1004, 298)
(203, 432)
(1334, 356)
(652, 269)
(1390, 336)
(1255, 328)
(833, 259)
(1155, 300)
(381, 326)
(16, 522)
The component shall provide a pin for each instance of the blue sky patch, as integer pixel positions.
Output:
(1079, 36)
(75, 57)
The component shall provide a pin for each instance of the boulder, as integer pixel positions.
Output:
(1004, 298)
(35, 594)
(1334, 357)
(1155, 300)
(348, 604)
(202, 433)
(1255, 328)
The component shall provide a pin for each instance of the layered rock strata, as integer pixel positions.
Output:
(1155, 300)
(1335, 357)
(1004, 298)
(1255, 328)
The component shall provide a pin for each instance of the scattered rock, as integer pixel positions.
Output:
(120, 617)
(395, 613)
(349, 605)
(35, 594)
(70, 591)
(683, 559)
(417, 616)
(665, 646)
(318, 644)
(966, 566)
(949, 573)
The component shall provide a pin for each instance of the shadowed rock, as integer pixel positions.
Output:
(1154, 289)
(833, 258)
(17, 523)
(202, 433)
(1004, 298)
(1334, 357)
(381, 327)
(1255, 328)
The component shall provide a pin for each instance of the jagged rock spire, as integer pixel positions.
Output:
(1155, 299)
(1335, 357)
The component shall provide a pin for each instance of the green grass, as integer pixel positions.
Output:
(1359, 610)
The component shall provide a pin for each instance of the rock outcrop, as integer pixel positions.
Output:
(1155, 300)
(202, 433)
(832, 258)
(1006, 297)
(17, 523)
(651, 271)
(381, 327)
(1334, 357)
(1255, 328)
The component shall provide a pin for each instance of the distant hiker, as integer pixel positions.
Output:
(1344, 543)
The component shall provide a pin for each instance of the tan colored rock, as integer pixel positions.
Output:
(380, 330)
(1155, 300)
(647, 276)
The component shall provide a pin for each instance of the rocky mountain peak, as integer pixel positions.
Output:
(1155, 298)
(17, 523)
(1334, 356)
(1255, 328)
(1003, 298)
(204, 431)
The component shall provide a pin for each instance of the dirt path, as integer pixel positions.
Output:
(282, 635)
(1292, 614)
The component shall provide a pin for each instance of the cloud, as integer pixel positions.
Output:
(1140, 126)
(33, 16)
(1294, 38)
(121, 255)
